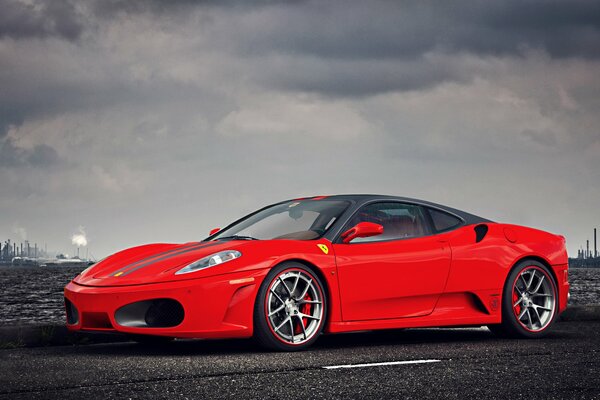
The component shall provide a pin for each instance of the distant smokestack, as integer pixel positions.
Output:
(587, 252)
(595, 246)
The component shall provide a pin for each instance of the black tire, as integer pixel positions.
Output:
(264, 334)
(533, 327)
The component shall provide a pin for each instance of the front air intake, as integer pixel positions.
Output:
(155, 313)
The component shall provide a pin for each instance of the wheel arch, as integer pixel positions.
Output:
(317, 271)
(503, 329)
(542, 261)
(532, 257)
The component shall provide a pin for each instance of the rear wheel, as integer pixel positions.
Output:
(529, 301)
(291, 308)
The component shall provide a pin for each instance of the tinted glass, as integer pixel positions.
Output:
(298, 220)
(443, 221)
(399, 221)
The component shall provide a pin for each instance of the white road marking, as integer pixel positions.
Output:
(379, 364)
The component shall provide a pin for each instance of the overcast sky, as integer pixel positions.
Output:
(155, 121)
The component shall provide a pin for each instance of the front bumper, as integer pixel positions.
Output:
(213, 307)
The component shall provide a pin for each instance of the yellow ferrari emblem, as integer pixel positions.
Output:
(324, 248)
(119, 273)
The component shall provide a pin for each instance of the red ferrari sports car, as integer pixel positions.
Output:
(292, 270)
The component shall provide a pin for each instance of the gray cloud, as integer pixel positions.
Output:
(382, 29)
(194, 113)
(110, 8)
(408, 29)
(355, 78)
(341, 48)
(39, 19)
(12, 155)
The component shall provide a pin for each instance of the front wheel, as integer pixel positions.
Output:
(529, 301)
(290, 309)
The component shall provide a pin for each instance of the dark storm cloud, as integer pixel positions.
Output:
(407, 29)
(356, 48)
(336, 48)
(352, 78)
(399, 29)
(20, 20)
(12, 155)
(25, 99)
(110, 8)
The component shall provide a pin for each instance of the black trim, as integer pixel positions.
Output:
(480, 232)
(448, 229)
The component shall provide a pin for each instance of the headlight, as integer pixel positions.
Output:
(206, 262)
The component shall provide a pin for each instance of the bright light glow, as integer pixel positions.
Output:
(79, 239)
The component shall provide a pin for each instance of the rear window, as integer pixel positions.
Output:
(443, 221)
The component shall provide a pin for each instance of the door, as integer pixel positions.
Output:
(399, 273)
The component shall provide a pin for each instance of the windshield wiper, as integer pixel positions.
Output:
(237, 237)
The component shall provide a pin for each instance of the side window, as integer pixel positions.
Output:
(399, 221)
(443, 221)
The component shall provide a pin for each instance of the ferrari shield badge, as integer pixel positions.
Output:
(324, 248)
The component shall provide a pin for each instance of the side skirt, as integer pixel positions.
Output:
(452, 309)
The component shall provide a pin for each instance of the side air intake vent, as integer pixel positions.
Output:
(480, 232)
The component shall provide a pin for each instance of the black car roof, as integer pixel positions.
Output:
(360, 199)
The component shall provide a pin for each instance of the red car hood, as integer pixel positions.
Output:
(151, 263)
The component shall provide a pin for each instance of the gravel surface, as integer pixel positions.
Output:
(473, 364)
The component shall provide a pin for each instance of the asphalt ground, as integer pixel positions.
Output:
(461, 363)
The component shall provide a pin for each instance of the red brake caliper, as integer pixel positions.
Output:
(305, 309)
(515, 297)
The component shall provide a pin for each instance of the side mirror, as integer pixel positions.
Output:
(213, 231)
(362, 229)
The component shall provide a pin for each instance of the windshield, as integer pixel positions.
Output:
(298, 220)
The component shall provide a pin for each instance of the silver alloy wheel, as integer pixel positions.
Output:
(294, 306)
(534, 299)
